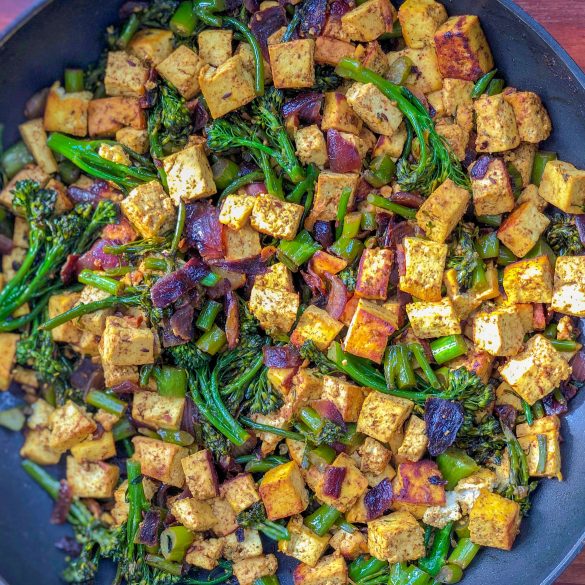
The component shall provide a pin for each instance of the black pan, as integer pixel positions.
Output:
(59, 33)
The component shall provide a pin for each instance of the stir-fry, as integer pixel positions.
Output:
(289, 277)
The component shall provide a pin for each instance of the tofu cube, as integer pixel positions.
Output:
(34, 136)
(328, 194)
(12, 262)
(189, 175)
(456, 94)
(306, 385)
(537, 371)
(532, 119)
(379, 113)
(374, 274)
(304, 545)
(106, 116)
(528, 437)
(36, 447)
(522, 159)
(114, 375)
(240, 492)
(152, 45)
(425, 76)
(126, 346)
(373, 57)
(368, 331)
(424, 264)
(215, 46)
(418, 484)
(348, 398)
(396, 538)
(155, 410)
(349, 545)
(193, 514)
(311, 146)
(66, 112)
(93, 322)
(95, 449)
(563, 186)
(134, 139)
(330, 570)
(339, 115)
(275, 217)
(433, 319)
(497, 130)
(181, 69)
(330, 51)
(369, 20)
(59, 303)
(201, 475)
(150, 210)
(414, 444)
(70, 424)
(293, 64)
(160, 460)
(205, 553)
(569, 286)
(316, 325)
(456, 136)
(522, 228)
(226, 518)
(494, 521)
(530, 193)
(419, 20)
(242, 243)
(125, 74)
(236, 210)
(283, 491)
(247, 571)
(491, 186)
(228, 87)
(276, 310)
(277, 277)
(374, 456)
(92, 480)
(236, 549)
(322, 262)
(442, 211)
(382, 415)
(529, 281)
(500, 332)
(462, 49)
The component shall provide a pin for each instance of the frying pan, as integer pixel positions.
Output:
(59, 33)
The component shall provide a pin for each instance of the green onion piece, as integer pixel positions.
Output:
(74, 80)
(123, 429)
(369, 222)
(111, 286)
(241, 182)
(527, 412)
(352, 438)
(294, 253)
(68, 171)
(174, 542)
(506, 256)
(449, 574)
(565, 344)
(210, 280)
(322, 519)
(157, 562)
(515, 179)
(211, 341)
(176, 437)
(463, 553)
(448, 348)
(129, 30)
(382, 170)
(542, 454)
(347, 248)
(490, 220)
(322, 455)
(342, 210)
(538, 409)
(365, 567)
(12, 419)
(107, 402)
(488, 246)
(395, 33)
(208, 314)
(171, 381)
(154, 263)
(311, 418)
(541, 159)
(421, 358)
(225, 172)
(462, 528)
(263, 465)
(482, 84)
(351, 225)
(496, 87)
(179, 226)
(400, 70)
(400, 210)
(478, 278)
(267, 580)
(550, 331)
(455, 465)
(435, 560)
(184, 20)
(542, 248)
(398, 369)
(15, 158)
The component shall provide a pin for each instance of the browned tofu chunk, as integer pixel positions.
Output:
(529, 281)
(70, 424)
(66, 112)
(193, 514)
(328, 194)
(563, 186)
(125, 74)
(419, 483)
(59, 303)
(205, 553)
(491, 186)
(105, 116)
(126, 346)
(330, 51)
(396, 538)
(283, 491)
(215, 46)
(34, 136)
(152, 45)
(339, 115)
(330, 570)
(97, 449)
(247, 571)
(462, 49)
(240, 492)
(369, 20)
(36, 447)
(304, 545)
(293, 64)
(419, 20)
(160, 460)
(425, 262)
(522, 228)
(382, 415)
(181, 69)
(374, 274)
(92, 480)
(275, 217)
(316, 325)
(533, 121)
(157, 411)
(347, 397)
(497, 130)
(200, 475)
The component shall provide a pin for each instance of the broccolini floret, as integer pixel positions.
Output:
(562, 235)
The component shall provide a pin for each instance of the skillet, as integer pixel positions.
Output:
(59, 33)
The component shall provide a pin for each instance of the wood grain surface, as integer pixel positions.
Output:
(565, 20)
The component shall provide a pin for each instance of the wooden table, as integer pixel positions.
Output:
(565, 19)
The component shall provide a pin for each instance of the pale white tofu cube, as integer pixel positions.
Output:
(433, 319)
(569, 286)
(424, 265)
(500, 332)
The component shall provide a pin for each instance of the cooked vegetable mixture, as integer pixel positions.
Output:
(290, 277)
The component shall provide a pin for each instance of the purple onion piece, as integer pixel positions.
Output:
(306, 106)
(480, 168)
(148, 529)
(333, 480)
(338, 296)
(266, 22)
(507, 415)
(249, 266)
(5, 245)
(203, 230)
(313, 17)
(443, 419)
(283, 356)
(328, 410)
(578, 365)
(323, 232)
(87, 376)
(181, 322)
(62, 503)
(343, 155)
(126, 387)
(379, 499)
(580, 223)
(173, 286)
(232, 320)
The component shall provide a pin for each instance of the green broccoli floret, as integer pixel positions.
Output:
(255, 517)
(562, 235)
(318, 359)
(463, 256)
(104, 214)
(261, 397)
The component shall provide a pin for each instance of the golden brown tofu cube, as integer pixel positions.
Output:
(369, 20)
(569, 286)
(236, 210)
(237, 548)
(193, 514)
(95, 449)
(160, 460)
(339, 115)
(275, 309)
(200, 475)
(537, 371)
(66, 112)
(189, 175)
(522, 228)
(374, 274)
(181, 68)
(330, 570)
(529, 281)
(283, 491)
(127, 346)
(442, 211)
(378, 112)
(228, 87)
(563, 186)
(215, 46)
(462, 49)
(396, 538)
(430, 319)
(419, 20)
(330, 51)
(373, 57)
(348, 398)
(322, 262)
(59, 303)
(424, 263)
(150, 210)
(293, 64)
(419, 483)
(306, 385)
(277, 277)
(106, 116)
(125, 74)
(494, 521)
(311, 146)
(152, 45)
(205, 553)
(425, 76)
(543, 432)
(136, 140)
(36, 447)
(382, 415)
(328, 194)
(34, 136)
(11, 262)
(92, 480)
(316, 325)
(275, 217)
(349, 545)
(500, 333)
(158, 411)
(414, 444)
(456, 94)
(93, 322)
(456, 136)
(368, 331)
(240, 492)
(70, 424)
(242, 243)
(497, 130)
(247, 571)
(522, 159)
(304, 545)
(226, 518)
(533, 121)
(491, 186)
(374, 456)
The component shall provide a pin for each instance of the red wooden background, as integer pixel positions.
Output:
(565, 19)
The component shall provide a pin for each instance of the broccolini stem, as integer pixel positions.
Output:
(273, 530)
(137, 503)
(241, 182)
(104, 283)
(256, 426)
(180, 225)
(20, 322)
(435, 560)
